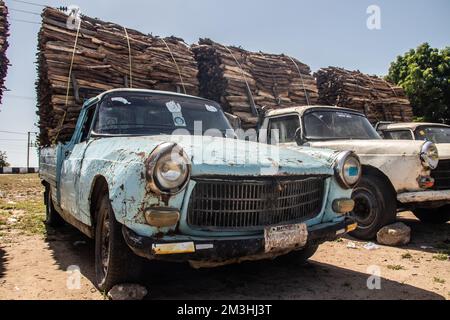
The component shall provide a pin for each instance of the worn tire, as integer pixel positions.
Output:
(433, 216)
(115, 263)
(52, 217)
(375, 206)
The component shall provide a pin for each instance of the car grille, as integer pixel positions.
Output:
(253, 205)
(441, 175)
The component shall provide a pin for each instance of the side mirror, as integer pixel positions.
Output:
(299, 137)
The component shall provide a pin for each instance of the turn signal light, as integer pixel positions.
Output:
(343, 206)
(162, 217)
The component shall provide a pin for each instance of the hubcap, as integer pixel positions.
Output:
(366, 207)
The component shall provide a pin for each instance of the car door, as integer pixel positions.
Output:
(71, 167)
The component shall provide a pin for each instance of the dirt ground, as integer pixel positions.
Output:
(34, 263)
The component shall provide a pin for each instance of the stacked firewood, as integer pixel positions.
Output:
(374, 96)
(4, 33)
(104, 54)
(242, 80)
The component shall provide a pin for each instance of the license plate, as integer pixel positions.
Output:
(285, 237)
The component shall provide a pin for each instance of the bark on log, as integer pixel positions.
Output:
(101, 62)
(378, 99)
(275, 81)
(4, 34)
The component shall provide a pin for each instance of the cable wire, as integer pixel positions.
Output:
(13, 132)
(25, 21)
(24, 11)
(30, 3)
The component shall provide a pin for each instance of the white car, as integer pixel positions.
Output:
(396, 174)
(425, 131)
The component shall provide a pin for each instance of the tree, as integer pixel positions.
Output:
(424, 74)
(3, 159)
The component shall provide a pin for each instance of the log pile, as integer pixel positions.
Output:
(101, 62)
(240, 80)
(4, 33)
(378, 99)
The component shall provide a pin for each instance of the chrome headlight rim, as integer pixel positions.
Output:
(425, 156)
(339, 167)
(151, 164)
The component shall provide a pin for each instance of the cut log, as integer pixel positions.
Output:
(240, 79)
(4, 34)
(101, 62)
(378, 99)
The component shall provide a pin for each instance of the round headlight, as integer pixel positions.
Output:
(168, 169)
(429, 155)
(348, 169)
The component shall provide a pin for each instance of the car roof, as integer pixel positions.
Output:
(302, 109)
(126, 90)
(411, 125)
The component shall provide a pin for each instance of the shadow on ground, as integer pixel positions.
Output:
(251, 280)
(2, 262)
(427, 237)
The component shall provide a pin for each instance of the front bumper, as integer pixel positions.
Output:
(441, 196)
(225, 248)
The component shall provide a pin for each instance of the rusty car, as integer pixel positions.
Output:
(437, 133)
(145, 176)
(396, 175)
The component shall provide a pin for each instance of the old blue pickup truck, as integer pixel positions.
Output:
(163, 176)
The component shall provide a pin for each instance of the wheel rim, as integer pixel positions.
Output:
(366, 207)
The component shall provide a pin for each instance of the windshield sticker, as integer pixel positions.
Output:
(344, 115)
(179, 121)
(175, 109)
(210, 108)
(120, 99)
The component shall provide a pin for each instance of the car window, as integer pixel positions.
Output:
(87, 124)
(153, 114)
(337, 124)
(283, 128)
(435, 134)
(398, 135)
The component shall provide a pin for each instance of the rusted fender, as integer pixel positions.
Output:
(121, 161)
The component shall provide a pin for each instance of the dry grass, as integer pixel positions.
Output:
(21, 204)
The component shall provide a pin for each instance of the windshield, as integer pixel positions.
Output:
(330, 124)
(152, 114)
(434, 134)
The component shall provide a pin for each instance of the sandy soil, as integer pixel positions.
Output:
(33, 265)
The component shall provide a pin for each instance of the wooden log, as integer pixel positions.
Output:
(234, 77)
(101, 62)
(4, 34)
(376, 97)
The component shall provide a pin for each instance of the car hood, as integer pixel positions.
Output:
(373, 147)
(220, 156)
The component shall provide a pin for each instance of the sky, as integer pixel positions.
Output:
(319, 33)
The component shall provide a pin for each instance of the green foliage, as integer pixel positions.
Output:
(3, 158)
(424, 74)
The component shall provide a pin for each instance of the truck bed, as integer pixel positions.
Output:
(47, 166)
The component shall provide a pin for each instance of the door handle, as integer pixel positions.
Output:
(67, 153)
